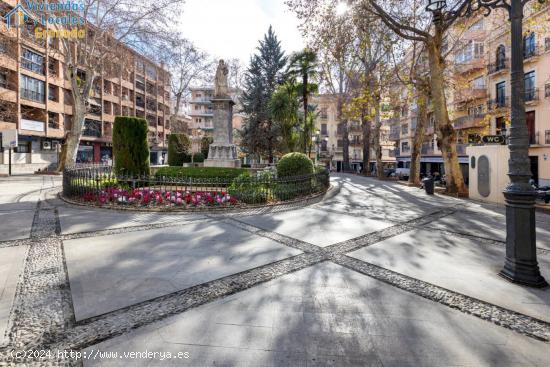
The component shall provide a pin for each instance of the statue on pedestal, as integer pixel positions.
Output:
(221, 88)
(222, 152)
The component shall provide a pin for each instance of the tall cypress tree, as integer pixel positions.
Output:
(264, 74)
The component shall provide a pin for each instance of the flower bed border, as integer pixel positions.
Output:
(240, 206)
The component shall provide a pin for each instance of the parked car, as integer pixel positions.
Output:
(389, 172)
(543, 193)
(402, 173)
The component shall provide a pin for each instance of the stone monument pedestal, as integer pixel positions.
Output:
(222, 152)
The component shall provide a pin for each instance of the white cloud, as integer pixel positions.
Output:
(232, 28)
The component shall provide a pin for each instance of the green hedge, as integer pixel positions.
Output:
(200, 172)
(247, 189)
(294, 164)
(178, 148)
(130, 146)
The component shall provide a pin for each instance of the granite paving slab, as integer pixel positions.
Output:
(75, 219)
(114, 271)
(489, 224)
(16, 224)
(322, 228)
(325, 315)
(12, 261)
(463, 265)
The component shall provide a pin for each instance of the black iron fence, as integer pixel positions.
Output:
(99, 185)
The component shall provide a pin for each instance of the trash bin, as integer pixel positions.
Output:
(428, 183)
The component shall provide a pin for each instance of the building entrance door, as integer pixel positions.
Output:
(530, 118)
(535, 168)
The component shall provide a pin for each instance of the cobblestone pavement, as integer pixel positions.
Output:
(376, 274)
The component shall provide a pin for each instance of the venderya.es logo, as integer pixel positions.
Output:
(56, 20)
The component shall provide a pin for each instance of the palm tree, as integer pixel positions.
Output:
(303, 66)
(283, 106)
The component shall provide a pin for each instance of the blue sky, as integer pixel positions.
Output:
(232, 28)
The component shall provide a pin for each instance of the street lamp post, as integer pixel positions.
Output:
(521, 264)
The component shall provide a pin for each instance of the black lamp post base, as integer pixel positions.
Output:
(523, 272)
(521, 264)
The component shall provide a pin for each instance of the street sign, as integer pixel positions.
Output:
(493, 139)
(9, 138)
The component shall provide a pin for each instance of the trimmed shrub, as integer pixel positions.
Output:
(198, 158)
(248, 189)
(130, 146)
(178, 149)
(294, 164)
(200, 172)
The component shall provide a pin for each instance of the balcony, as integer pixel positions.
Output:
(498, 67)
(531, 95)
(355, 129)
(356, 142)
(470, 94)
(466, 122)
(427, 149)
(531, 53)
(501, 102)
(470, 65)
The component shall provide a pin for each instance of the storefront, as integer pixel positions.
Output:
(94, 152)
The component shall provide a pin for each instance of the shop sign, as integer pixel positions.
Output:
(493, 139)
(9, 138)
(32, 125)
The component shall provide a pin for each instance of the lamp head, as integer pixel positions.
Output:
(436, 5)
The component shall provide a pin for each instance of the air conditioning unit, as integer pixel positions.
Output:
(46, 145)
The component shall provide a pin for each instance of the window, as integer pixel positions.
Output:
(52, 120)
(477, 25)
(529, 82)
(472, 50)
(475, 110)
(32, 89)
(547, 44)
(479, 83)
(324, 113)
(405, 129)
(547, 91)
(151, 72)
(32, 61)
(529, 45)
(52, 92)
(52, 67)
(547, 137)
(4, 79)
(92, 128)
(501, 94)
(23, 147)
(405, 147)
(500, 126)
(501, 57)
(324, 129)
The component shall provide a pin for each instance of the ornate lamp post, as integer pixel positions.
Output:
(521, 254)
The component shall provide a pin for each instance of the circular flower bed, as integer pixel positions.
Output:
(100, 186)
(147, 197)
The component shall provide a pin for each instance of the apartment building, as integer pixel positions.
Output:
(201, 113)
(479, 93)
(35, 99)
(331, 149)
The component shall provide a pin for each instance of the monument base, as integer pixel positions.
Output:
(222, 155)
(225, 163)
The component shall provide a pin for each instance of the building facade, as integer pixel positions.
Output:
(331, 149)
(201, 113)
(479, 92)
(36, 100)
